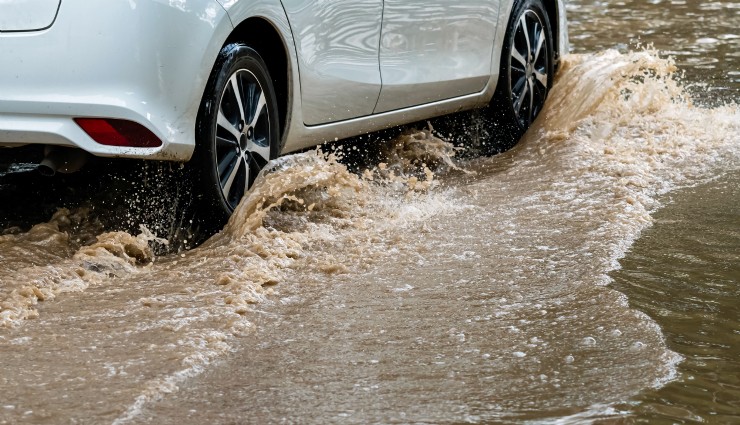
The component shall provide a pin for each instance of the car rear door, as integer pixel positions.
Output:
(337, 47)
(435, 49)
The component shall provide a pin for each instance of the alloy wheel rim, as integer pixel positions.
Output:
(529, 65)
(242, 138)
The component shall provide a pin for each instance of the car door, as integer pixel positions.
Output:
(435, 49)
(337, 47)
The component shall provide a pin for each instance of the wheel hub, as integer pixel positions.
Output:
(247, 135)
(243, 141)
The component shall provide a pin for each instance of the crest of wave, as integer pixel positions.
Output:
(622, 127)
(631, 109)
(316, 184)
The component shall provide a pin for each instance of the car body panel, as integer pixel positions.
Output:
(273, 12)
(299, 136)
(433, 50)
(121, 65)
(27, 15)
(337, 49)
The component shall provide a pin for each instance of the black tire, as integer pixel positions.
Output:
(236, 133)
(524, 81)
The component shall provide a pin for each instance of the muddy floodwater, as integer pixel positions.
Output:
(590, 274)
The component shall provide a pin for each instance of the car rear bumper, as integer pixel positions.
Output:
(145, 61)
(60, 130)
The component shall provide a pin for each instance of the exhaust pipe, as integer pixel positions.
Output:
(61, 160)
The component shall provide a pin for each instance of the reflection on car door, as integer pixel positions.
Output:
(337, 46)
(435, 49)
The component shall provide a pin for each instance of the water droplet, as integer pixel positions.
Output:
(637, 346)
(588, 341)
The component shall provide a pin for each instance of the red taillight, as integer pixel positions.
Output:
(118, 132)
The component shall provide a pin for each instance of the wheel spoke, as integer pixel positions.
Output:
(228, 181)
(518, 89)
(224, 123)
(541, 77)
(525, 30)
(540, 37)
(233, 81)
(250, 100)
(223, 141)
(519, 58)
(540, 93)
(520, 99)
(262, 149)
(254, 171)
(248, 180)
(533, 39)
(531, 100)
(227, 162)
(259, 108)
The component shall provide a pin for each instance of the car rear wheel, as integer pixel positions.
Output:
(237, 131)
(526, 73)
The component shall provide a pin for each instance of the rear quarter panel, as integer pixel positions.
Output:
(146, 61)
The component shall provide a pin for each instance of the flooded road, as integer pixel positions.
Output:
(701, 36)
(590, 273)
(685, 273)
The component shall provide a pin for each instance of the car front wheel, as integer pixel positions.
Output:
(526, 72)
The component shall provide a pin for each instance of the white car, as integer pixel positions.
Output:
(230, 84)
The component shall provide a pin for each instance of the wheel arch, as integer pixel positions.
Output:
(261, 35)
(556, 16)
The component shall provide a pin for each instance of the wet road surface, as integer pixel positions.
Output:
(485, 291)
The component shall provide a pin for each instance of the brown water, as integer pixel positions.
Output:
(702, 37)
(425, 289)
(685, 273)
